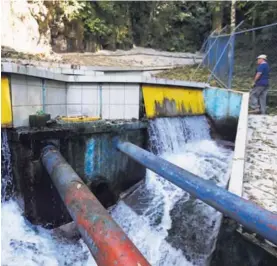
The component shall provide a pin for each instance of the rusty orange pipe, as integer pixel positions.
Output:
(108, 244)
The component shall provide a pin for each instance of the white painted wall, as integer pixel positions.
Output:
(115, 100)
(26, 94)
(55, 100)
(120, 101)
(83, 99)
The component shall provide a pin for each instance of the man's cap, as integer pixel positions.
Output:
(262, 56)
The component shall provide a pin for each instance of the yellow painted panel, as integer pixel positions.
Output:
(6, 110)
(162, 101)
(79, 118)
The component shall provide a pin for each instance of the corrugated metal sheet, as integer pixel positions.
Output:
(164, 101)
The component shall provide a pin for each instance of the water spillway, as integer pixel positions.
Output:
(167, 225)
(6, 168)
(106, 241)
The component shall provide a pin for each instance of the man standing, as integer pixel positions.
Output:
(259, 91)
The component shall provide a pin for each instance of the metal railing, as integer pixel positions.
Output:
(231, 58)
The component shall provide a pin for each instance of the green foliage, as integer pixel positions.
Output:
(170, 25)
(105, 23)
(173, 26)
(40, 112)
(71, 8)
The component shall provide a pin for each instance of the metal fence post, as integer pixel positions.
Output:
(231, 61)
(224, 50)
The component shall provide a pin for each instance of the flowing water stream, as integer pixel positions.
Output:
(168, 225)
(6, 167)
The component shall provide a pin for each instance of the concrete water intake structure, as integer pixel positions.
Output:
(102, 161)
(167, 224)
(187, 143)
(106, 241)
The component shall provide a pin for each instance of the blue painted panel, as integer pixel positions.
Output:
(234, 104)
(221, 103)
(89, 158)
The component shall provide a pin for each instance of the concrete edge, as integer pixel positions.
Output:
(237, 170)
(228, 90)
(68, 67)
(32, 71)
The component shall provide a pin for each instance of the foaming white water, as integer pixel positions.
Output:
(6, 168)
(170, 227)
(27, 245)
(173, 228)
(170, 135)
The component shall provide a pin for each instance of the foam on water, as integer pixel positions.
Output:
(27, 245)
(6, 168)
(171, 229)
(174, 228)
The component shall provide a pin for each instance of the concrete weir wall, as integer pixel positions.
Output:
(106, 100)
(88, 149)
(223, 106)
(120, 102)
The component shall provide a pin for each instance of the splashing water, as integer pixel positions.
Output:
(27, 245)
(168, 225)
(6, 168)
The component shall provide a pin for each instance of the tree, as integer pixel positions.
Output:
(233, 15)
(217, 15)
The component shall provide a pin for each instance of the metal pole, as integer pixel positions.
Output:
(231, 61)
(108, 244)
(43, 95)
(243, 211)
(210, 46)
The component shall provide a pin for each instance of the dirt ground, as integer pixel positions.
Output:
(136, 57)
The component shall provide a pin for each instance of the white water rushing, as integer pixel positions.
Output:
(165, 223)
(168, 225)
(6, 168)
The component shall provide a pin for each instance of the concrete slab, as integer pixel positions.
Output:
(101, 78)
(237, 171)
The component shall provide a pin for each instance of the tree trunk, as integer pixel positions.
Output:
(217, 16)
(233, 15)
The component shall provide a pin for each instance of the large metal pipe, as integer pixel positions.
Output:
(252, 216)
(108, 244)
